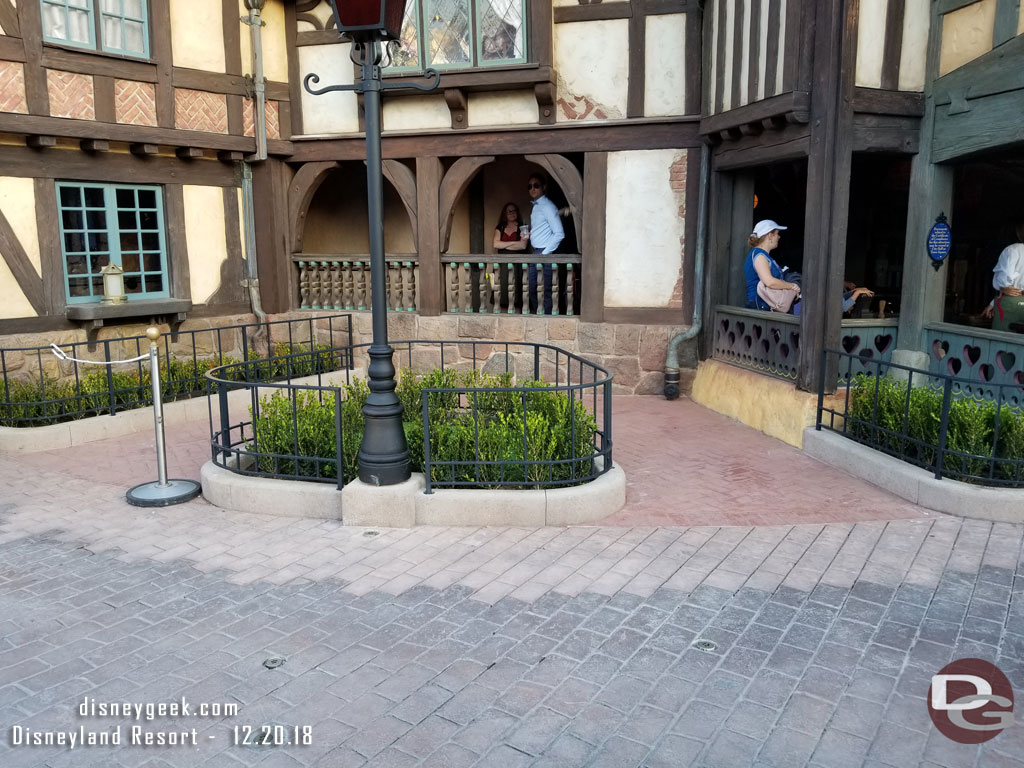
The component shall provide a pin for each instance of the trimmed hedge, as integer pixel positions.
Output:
(879, 422)
(468, 429)
(45, 400)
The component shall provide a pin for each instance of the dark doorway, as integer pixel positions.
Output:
(876, 230)
(780, 194)
(986, 204)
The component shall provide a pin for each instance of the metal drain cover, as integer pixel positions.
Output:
(273, 662)
(705, 645)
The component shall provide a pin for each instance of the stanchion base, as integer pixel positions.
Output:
(153, 495)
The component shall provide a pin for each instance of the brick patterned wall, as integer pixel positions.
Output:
(273, 119)
(677, 180)
(12, 87)
(71, 95)
(135, 103)
(200, 111)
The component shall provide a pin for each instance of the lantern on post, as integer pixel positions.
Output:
(361, 20)
(384, 453)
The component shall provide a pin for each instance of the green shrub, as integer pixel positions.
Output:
(470, 431)
(883, 405)
(45, 401)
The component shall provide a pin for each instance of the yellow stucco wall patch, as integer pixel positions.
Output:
(197, 35)
(772, 406)
(502, 108)
(966, 34)
(14, 303)
(206, 237)
(274, 41)
(413, 113)
(18, 203)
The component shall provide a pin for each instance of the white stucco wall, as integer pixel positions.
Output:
(502, 108)
(870, 43)
(273, 41)
(336, 112)
(197, 35)
(916, 20)
(665, 65)
(643, 246)
(413, 113)
(206, 239)
(590, 60)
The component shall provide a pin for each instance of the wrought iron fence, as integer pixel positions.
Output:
(38, 388)
(935, 421)
(476, 414)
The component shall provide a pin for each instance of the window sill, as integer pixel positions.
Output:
(94, 315)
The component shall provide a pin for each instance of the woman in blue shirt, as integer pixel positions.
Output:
(760, 266)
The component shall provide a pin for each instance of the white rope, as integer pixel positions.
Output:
(61, 354)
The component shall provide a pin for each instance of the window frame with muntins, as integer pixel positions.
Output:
(476, 40)
(96, 15)
(86, 224)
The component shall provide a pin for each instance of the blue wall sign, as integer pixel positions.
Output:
(940, 239)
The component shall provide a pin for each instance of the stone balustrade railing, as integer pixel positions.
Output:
(481, 283)
(331, 281)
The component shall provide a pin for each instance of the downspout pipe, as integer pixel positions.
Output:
(252, 280)
(672, 355)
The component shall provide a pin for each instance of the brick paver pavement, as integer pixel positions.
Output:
(494, 646)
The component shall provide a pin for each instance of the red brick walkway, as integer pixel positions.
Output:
(685, 465)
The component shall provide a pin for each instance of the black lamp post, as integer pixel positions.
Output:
(384, 454)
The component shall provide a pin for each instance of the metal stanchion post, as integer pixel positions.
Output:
(163, 492)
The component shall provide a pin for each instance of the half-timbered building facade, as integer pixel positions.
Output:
(176, 139)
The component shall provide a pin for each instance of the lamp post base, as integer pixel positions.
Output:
(154, 495)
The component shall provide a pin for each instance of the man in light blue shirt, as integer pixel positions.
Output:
(546, 234)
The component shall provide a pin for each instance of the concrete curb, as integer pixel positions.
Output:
(53, 437)
(916, 485)
(406, 505)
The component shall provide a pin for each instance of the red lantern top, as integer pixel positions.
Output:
(368, 19)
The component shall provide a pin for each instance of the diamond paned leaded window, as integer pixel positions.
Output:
(448, 34)
(121, 26)
(112, 223)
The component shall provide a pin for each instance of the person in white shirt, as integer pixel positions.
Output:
(1007, 309)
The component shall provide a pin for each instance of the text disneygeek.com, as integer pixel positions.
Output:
(147, 735)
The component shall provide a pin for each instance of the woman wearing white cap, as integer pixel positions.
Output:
(761, 267)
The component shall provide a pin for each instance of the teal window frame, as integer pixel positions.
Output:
(97, 16)
(100, 228)
(476, 41)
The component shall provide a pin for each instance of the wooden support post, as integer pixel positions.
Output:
(430, 287)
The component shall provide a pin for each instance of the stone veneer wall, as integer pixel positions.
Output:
(635, 354)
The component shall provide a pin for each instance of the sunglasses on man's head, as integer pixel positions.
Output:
(534, 185)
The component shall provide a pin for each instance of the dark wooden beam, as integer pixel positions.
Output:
(294, 77)
(51, 256)
(455, 98)
(719, 73)
(230, 155)
(141, 150)
(595, 195)
(998, 71)
(662, 7)
(160, 28)
(545, 95)
(98, 64)
(178, 267)
(561, 138)
(9, 19)
(270, 194)
(12, 252)
(41, 142)
(36, 93)
(542, 49)
(696, 61)
(886, 133)
(103, 96)
(11, 48)
(636, 66)
(771, 53)
(593, 12)
(893, 46)
(188, 153)
(754, 61)
(873, 100)
(736, 97)
(428, 244)
(796, 103)
(94, 145)
(232, 25)
(990, 123)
